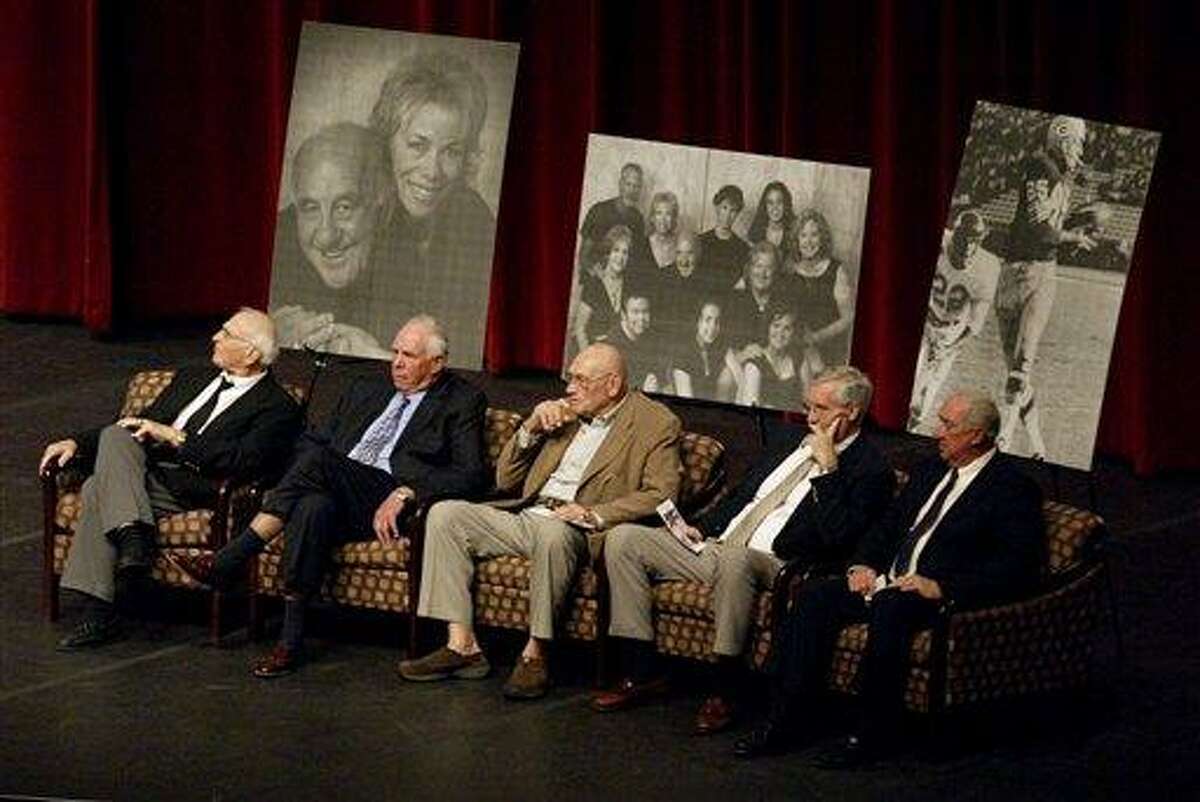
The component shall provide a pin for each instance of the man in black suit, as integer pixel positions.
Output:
(386, 449)
(805, 501)
(231, 420)
(967, 530)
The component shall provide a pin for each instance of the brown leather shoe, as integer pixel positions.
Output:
(530, 679)
(713, 716)
(629, 694)
(276, 663)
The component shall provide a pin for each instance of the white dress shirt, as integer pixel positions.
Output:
(241, 386)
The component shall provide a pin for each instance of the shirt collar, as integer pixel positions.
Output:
(607, 417)
(976, 465)
(243, 381)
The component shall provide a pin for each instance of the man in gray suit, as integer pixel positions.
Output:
(807, 500)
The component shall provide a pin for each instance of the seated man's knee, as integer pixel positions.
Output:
(443, 515)
(620, 541)
(732, 560)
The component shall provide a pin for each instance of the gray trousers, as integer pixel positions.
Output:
(120, 491)
(636, 556)
(458, 532)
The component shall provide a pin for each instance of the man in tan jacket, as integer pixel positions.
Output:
(600, 456)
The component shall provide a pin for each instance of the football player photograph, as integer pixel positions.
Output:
(964, 286)
(393, 443)
(806, 499)
(1029, 274)
(967, 529)
(325, 266)
(230, 420)
(600, 456)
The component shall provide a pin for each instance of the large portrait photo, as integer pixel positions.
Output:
(721, 276)
(390, 189)
(1030, 273)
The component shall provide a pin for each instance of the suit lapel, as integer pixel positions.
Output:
(249, 400)
(423, 415)
(965, 506)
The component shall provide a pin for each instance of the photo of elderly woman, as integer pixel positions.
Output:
(390, 189)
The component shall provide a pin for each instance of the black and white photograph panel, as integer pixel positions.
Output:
(1030, 273)
(390, 188)
(722, 276)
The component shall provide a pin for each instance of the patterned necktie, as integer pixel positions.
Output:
(905, 554)
(744, 531)
(379, 434)
(200, 417)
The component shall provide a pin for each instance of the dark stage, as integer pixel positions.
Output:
(163, 715)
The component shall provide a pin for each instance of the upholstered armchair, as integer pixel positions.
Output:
(502, 583)
(181, 537)
(1037, 645)
(369, 573)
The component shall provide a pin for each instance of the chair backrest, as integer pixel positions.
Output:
(1070, 533)
(703, 460)
(143, 388)
(499, 426)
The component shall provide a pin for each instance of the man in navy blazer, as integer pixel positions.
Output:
(967, 530)
(230, 420)
(385, 450)
(809, 500)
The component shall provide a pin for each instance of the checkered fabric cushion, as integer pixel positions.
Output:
(684, 624)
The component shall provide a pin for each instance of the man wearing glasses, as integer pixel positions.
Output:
(232, 419)
(809, 500)
(967, 530)
(599, 456)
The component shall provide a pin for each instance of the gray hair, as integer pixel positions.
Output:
(261, 335)
(982, 412)
(854, 388)
(436, 343)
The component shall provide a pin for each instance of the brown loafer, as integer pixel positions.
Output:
(530, 679)
(629, 693)
(713, 716)
(278, 662)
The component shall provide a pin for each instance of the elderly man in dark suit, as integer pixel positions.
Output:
(967, 529)
(600, 456)
(386, 449)
(809, 500)
(232, 419)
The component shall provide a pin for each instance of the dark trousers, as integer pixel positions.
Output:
(325, 499)
(807, 635)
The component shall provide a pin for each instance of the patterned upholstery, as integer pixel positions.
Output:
(1033, 646)
(187, 533)
(502, 584)
(368, 573)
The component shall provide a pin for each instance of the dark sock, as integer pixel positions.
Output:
(292, 635)
(96, 609)
(232, 559)
(724, 677)
(638, 659)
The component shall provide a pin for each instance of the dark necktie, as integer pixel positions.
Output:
(904, 555)
(200, 417)
(379, 434)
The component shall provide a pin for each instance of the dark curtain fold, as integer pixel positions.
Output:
(140, 148)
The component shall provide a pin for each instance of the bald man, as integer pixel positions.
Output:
(231, 419)
(323, 285)
(599, 456)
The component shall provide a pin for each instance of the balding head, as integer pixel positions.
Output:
(245, 344)
(597, 380)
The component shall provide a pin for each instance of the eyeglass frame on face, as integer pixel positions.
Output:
(807, 409)
(586, 382)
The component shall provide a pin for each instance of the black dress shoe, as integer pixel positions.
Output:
(768, 738)
(852, 753)
(90, 633)
(135, 547)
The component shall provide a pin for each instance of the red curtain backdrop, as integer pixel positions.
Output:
(140, 147)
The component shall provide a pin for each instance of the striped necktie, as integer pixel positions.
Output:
(379, 434)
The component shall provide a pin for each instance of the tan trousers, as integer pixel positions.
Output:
(457, 533)
(637, 556)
